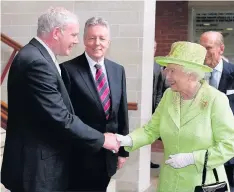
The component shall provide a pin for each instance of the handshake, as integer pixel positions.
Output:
(114, 141)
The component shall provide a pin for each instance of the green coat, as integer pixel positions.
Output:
(208, 124)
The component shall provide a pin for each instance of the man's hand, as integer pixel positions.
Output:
(121, 162)
(111, 143)
(180, 160)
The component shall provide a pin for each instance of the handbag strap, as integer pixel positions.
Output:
(204, 170)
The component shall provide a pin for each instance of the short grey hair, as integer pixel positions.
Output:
(198, 74)
(55, 17)
(93, 21)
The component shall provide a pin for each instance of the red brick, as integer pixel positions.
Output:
(171, 26)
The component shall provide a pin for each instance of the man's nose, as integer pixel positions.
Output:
(76, 40)
(97, 41)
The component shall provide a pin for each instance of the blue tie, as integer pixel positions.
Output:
(213, 78)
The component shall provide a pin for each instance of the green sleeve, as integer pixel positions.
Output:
(150, 131)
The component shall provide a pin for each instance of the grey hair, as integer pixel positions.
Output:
(198, 74)
(93, 21)
(55, 17)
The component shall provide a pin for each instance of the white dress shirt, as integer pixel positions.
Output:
(50, 53)
(92, 64)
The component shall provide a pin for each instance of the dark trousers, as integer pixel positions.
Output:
(230, 174)
(89, 176)
(93, 182)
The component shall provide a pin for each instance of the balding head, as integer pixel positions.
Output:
(213, 36)
(214, 44)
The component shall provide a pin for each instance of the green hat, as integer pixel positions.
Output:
(187, 54)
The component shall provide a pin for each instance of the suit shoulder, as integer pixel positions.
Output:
(71, 63)
(26, 56)
(114, 64)
(28, 52)
(230, 66)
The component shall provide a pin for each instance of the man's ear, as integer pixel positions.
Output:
(222, 47)
(56, 33)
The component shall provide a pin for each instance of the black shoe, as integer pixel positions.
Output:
(154, 166)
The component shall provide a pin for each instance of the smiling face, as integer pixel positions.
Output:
(66, 39)
(176, 78)
(96, 41)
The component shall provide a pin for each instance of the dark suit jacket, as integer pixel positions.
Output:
(227, 83)
(81, 87)
(158, 86)
(41, 126)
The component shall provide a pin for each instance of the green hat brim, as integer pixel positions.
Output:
(164, 61)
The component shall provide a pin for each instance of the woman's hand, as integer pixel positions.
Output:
(180, 160)
(124, 140)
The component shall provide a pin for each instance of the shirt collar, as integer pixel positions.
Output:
(219, 67)
(48, 49)
(92, 63)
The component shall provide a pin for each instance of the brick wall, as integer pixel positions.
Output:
(171, 25)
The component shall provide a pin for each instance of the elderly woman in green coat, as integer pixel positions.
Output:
(191, 118)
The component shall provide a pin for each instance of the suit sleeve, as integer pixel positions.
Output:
(42, 83)
(222, 122)
(123, 115)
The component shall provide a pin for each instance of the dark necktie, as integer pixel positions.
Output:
(103, 89)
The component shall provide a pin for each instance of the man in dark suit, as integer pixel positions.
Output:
(97, 88)
(158, 90)
(42, 128)
(222, 77)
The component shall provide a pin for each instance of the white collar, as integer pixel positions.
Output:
(219, 67)
(52, 55)
(92, 63)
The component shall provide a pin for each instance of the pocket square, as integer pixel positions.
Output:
(229, 92)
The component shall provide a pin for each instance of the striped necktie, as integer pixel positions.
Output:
(103, 89)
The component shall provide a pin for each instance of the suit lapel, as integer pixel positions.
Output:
(111, 77)
(197, 105)
(225, 78)
(174, 109)
(87, 76)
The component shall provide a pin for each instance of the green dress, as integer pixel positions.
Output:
(205, 123)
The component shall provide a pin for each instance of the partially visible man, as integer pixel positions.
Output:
(222, 77)
(42, 128)
(158, 83)
(97, 88)
(158, 86)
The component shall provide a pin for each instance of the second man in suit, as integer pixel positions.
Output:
(97, 88)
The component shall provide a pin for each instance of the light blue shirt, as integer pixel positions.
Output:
(216, 75)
